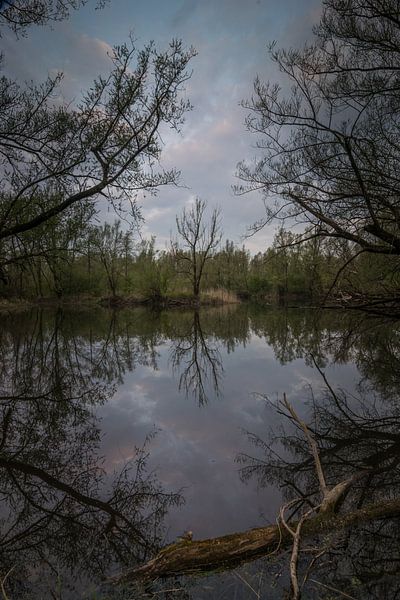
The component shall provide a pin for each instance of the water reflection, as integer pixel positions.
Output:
(61, 511)
(196, 355)
(65, 510)
(357, 438)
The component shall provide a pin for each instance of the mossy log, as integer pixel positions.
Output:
(229, 551)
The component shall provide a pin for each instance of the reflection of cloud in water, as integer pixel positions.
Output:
(196, 447)
(136, 400)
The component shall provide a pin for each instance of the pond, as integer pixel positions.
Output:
(122, 429)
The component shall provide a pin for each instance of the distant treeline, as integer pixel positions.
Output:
(69, 255)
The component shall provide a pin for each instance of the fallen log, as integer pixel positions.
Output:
(226, 552)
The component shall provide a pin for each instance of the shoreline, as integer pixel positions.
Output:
(374, 307)
(113, 302)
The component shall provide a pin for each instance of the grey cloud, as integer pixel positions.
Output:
(183, 14)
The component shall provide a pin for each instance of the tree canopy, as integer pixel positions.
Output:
(329, 147)
(53, 156)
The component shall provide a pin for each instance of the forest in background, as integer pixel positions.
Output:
(69, 256)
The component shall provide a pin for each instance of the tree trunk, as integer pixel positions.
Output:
(229, 551)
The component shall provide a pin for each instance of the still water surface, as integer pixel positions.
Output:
(120, 430)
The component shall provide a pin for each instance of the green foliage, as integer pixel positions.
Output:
(258, 285)
(71, 256)
(112, 248)
(152, 271)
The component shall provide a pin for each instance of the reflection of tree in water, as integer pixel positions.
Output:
(61, 511)
(42, 349)
(230, 325)
(123, 346)
(357, 437)
(338, 337)
(292, 333)
(198, 355)
(374, 345)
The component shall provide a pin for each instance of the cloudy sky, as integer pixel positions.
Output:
(231, 38)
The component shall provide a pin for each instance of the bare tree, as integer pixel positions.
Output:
(330, 152)
(198, 242)
(18, 15)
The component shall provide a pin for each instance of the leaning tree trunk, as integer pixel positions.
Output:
(229, 551)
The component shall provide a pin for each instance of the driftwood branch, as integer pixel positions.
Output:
(227, 552)
(312, 444)
(295, 555)
(330, 497)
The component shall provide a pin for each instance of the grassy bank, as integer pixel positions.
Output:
(214, 297)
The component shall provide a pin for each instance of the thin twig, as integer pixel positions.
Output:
(157, 592)
(333, 589)
(310, 566)
(342, 268)
(3, 581)
(247, 583)
(282, 517)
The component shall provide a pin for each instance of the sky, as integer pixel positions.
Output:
(231, 38)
